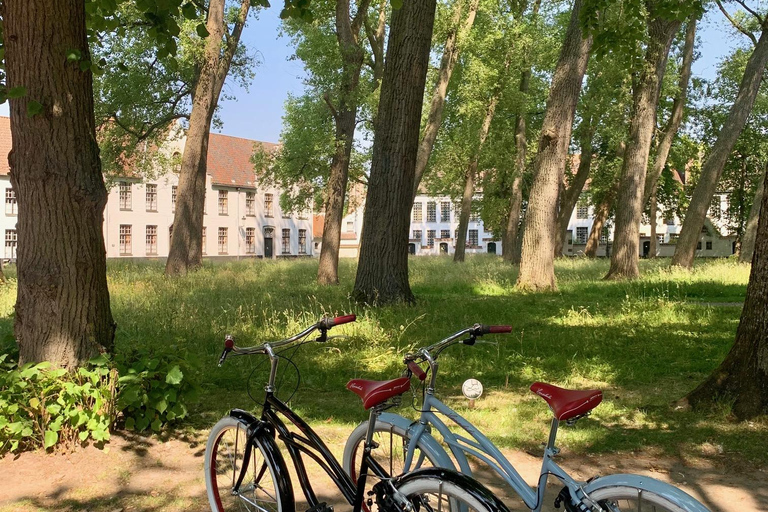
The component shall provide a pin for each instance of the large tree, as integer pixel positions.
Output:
(729, 133)
(537, 269)
(626, 252)
(382, 272)
(742, 378)
(62, 307)
(222, 41)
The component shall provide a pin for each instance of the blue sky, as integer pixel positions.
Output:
(257, 113)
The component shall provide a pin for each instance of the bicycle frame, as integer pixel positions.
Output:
(310, 444)
(482, 448)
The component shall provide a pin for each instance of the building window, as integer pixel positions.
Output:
(670, 219)
(431, 211)
(582, 211)
(709, 246)
(223, 202)
(151, 197)
(268, 205)
(604, 236)
(473, 239)
(417, 235)
(698, 245)
(223, 241)
(250, 203)
(205, 239)
(250, 240)
(445, 233)
(714, 209)
(302, 241)
(286, 241)
(174, 190)
(474, 216)
(581, 235)
(125, 239)
(11, 242)
(445, 211)
(350, 226)
(418, 213)
(125, 196)
(660, 239)
(151, 239)
(11, 206)
(431, 237)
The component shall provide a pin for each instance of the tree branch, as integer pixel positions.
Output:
(738, 27)
(752, 12)
(327, 99)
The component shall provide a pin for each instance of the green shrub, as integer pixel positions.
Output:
(41, 406)
(154, 388)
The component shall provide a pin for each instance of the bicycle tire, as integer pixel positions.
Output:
(442, 493)
(260, 489)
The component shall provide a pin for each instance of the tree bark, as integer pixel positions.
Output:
(186, 252)
(537, 270)
(750, 230)
(456, 35)
(62, 305)
(626, 253)
(509, 241)
(653, 249)
(676, 116)
(713, 166)
(382, 272)
(573, 192)
(602, 210)
(743, 375)
(345, 118)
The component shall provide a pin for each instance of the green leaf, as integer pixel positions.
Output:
(202, 31)
(130, 423)
(74, 55)
(34, 108)
(26, 432)
(83, 435)
(174, 376)
(85, 65)
(51, 438)
(34, 403)
(397, 4)
(55, 409)
(189, 11)
(161, 406)
(17, 92)
(157, 425)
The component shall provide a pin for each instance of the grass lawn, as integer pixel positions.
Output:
(646, 343)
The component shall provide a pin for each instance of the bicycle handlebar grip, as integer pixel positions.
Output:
(416, 370)
(229, 346)
(494, 329)
(327, 323)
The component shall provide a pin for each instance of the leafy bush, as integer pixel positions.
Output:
(153, 388)
(43, 406)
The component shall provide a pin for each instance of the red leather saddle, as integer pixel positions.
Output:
(374, 392)
(568, 403)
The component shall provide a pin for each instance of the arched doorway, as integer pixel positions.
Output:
(411, 248)
(491, 247)
(269, 233)
(443, 248)
(646, 248)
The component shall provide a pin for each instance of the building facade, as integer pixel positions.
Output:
(241, 220)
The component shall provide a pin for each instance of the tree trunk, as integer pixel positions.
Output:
(750, 231)
(62, 305)
(676, 116)
(509, 241)
(602, 210)
(456, 35)
(573, 192)
(743, 375)
(469, 183)
(382, 272)
(713, 166)
(653, 249)
(186, 252)
(537, 270)
(626, 252)
(345, 117)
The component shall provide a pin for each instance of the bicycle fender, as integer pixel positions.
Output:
(427, 443)
(266, 437)
(683, 499)
(472, 486)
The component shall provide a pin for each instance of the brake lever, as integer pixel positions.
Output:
(470, 341)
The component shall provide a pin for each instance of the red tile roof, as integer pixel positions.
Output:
(5, 144)
(229, 160)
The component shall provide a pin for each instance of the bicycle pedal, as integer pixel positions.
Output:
(321, 507)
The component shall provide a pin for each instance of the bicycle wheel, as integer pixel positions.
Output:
(435, 495)
(625, 498)
(391, 451)
(224, 454)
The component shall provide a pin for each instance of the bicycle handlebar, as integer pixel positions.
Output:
(324, 325)
(474, 332)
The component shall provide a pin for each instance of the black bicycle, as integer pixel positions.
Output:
(245, 470)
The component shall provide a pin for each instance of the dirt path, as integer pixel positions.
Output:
(136, 473)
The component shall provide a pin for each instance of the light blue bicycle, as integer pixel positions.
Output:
(406, 445)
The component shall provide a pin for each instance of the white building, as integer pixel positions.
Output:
(241, 219)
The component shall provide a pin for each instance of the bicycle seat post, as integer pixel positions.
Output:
(551, 450)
